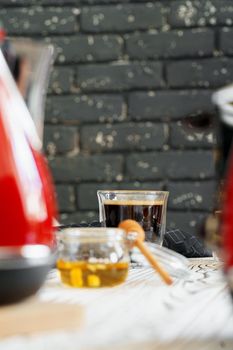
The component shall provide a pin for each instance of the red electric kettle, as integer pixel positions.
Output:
(27, 203)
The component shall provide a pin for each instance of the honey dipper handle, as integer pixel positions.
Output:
(146, 252)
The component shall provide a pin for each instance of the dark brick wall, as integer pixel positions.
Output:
(126, 76)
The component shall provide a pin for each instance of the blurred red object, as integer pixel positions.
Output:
(227, 219)
(27, 203)
(223, 99)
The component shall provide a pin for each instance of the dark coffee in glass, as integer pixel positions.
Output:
(147, 214)
(148, 208)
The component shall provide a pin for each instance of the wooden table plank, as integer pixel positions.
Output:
(33, 316)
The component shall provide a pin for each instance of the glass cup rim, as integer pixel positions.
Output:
(134, 191)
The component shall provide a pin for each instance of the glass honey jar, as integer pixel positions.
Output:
(92, 257)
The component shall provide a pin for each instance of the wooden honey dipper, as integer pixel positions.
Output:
(130, 226)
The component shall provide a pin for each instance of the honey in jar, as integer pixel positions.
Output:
(84, 274)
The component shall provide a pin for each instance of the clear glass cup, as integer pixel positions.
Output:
(92, 257)
(148, 208)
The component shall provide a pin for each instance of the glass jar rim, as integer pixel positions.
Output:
(91, 234)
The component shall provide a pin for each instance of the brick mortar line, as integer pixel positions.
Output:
(139, 89)
(125, 153)
(123, 33)
(159, 59)
(99, 93)
(126, 121)
(76, 32)
(113, 32)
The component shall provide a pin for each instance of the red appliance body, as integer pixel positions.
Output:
(27, 203)
(227, 223)
(223, 99)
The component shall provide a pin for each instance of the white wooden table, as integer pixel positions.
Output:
(143, 313)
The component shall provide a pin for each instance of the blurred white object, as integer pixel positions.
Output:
(18, 107)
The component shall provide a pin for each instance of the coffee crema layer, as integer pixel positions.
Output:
(141, 202)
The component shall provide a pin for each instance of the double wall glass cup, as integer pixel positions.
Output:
(148, 208)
